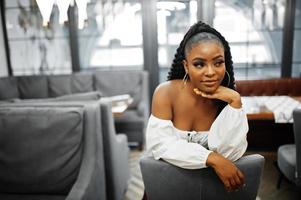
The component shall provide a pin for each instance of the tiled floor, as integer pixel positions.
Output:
(267, 189)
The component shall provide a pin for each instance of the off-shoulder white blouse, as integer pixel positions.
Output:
(190, 149)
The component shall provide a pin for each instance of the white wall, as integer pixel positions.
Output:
(3, 63)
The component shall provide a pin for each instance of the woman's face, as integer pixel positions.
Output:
(205, 64)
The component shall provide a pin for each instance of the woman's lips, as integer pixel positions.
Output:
(209, 82)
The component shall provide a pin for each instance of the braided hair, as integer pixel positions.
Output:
(177, 70)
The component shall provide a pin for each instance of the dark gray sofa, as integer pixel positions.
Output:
(115, 147)
(51, 151)
(108, 83)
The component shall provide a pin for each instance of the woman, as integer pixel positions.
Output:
(197, 120)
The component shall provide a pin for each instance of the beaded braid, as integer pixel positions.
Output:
(177, 70)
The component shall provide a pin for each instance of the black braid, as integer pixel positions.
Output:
(177, 70)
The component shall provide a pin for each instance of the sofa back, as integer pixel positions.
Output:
(269, 87)
(40, 149)
(109, 83)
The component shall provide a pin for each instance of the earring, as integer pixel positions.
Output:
(185, 78)
(228, 78)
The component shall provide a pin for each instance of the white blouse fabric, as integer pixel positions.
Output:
(190, 149)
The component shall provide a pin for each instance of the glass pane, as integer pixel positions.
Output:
(112, 36)
(17, 3)
(296, 71)
(297, 47)
(298, 15)
(35, 49)
(173, 20)
(44, 56)
(26, 23)
(254, 32)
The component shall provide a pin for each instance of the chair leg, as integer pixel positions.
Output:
(140, 146)
(280, 177)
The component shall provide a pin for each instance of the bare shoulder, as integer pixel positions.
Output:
(163, 98)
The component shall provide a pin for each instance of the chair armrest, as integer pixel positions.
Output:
(90, 183)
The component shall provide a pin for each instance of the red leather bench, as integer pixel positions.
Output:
(264, 133)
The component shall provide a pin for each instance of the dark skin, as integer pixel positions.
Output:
(192, 105)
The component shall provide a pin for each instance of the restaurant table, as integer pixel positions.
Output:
(120, 103)
(258, 108)
(264, 133)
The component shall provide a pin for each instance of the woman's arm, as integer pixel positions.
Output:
(227, 137)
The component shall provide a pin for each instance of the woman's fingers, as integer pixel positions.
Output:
(203, 94)
(227, 185)
(233, 184)
(240, 175)
(238, 181)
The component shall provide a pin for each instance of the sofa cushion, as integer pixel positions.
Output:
(81, 82)
(88, 96)
(31, 87)
(125, 82)
(40, 149)
(8, 88)
(59, 85)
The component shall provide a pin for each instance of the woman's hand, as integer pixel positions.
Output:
(228, 173)
(223, 93)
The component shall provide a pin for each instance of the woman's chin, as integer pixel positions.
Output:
(209, 90)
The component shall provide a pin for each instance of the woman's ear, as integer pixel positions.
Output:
(185, 65)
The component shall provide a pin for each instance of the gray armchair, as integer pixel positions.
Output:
(135, 83)
(51, 151)
(289, 155)
(164, 181)
(116, 154)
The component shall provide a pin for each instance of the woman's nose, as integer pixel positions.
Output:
(210, 70)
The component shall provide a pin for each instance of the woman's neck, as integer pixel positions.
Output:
(188, 87)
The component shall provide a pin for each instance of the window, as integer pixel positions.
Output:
(173, 20)
(35, 49)
(296, 70)
(254, 32)
(112, 37)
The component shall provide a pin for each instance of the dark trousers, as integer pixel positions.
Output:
(144, 196)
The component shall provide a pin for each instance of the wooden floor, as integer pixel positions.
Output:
(267, 189)
(136, 187)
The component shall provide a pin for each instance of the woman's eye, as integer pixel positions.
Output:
(199, 64)
(219, 63)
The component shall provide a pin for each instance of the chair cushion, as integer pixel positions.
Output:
(131, 124)
(8, 88)
(129, 120)
(40, 149)
(81, 82)
(59, 85)
(125, 82)
(286, 158)
(32, 87)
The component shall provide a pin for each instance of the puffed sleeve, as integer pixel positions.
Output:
(228, 133)
(162, 142)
